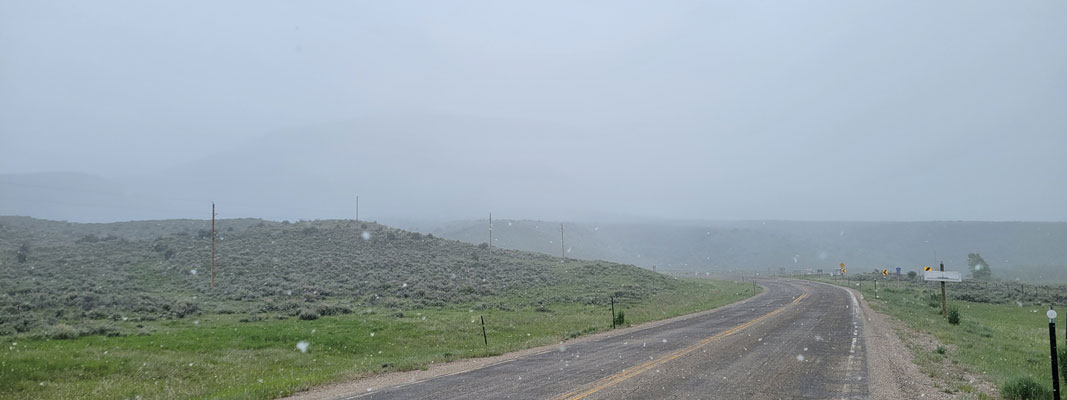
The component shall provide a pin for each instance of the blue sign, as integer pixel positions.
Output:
(898, 270)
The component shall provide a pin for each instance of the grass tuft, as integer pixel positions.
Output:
(1024, 388)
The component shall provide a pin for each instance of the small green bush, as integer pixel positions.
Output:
(90, 238)
(62, 332)
(1024, 388)
(308, 315)
(940, 349)
(1063, 362)
(183, 308)
(620, 318)
(22, 255)
(934, 301)
(102, 330)
(324, 310)
(954, 315)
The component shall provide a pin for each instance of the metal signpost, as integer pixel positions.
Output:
(1051, 314)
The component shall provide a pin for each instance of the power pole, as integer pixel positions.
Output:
(357, 208)
(213, 245)
(490, 234)
(562, 246)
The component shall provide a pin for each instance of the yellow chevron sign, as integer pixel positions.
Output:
(927, 269)
(885, 272)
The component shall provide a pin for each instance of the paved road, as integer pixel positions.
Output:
(797, 340)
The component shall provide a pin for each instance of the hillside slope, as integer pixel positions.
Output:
(84, 274)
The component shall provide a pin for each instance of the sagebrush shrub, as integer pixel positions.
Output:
(954, 315)
(1024, 388)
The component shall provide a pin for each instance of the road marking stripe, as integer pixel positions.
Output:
(855, 335)
(609, 381)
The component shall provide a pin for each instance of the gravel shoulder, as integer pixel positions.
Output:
(892, 371)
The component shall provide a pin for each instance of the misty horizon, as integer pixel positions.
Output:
(556, 111)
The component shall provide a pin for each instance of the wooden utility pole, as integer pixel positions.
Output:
(490, 234)
(212, 245)
(944, 303)
(561, 245)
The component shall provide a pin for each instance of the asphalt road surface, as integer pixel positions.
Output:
(797, 340)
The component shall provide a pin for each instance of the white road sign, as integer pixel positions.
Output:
(943, 276)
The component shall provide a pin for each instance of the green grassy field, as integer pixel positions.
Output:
(999, 342)
(217, 356)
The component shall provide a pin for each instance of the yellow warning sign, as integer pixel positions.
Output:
(885, 272)
(927, 269)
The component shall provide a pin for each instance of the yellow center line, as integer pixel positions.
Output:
(609, 381)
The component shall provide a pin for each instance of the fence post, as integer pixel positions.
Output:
(484, 336)
(612, 312)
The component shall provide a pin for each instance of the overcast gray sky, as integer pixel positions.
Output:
(898, 110)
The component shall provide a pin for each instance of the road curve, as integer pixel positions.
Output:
(798, 340)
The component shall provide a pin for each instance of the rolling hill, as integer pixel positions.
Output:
(83, 275)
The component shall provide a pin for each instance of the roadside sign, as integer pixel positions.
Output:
(927, 269)
(842, 265)
(885, 272)
(943, 276)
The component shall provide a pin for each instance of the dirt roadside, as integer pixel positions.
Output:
(892, 371)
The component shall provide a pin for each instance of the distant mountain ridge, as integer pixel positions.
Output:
(72, 196)
(428, 167)
(770, 245)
